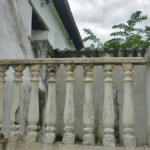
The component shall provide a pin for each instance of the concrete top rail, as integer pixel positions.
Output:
(78, 61)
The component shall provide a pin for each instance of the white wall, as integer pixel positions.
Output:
(26, 11)
(40, 35)
(14, 42)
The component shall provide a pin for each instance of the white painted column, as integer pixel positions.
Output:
(15, 105)
(69, 112)
(50, 115)
(128, 108)
(33, 111)
(3, 69)
(88, 112)
(108, 110)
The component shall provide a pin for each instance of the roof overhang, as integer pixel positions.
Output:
(68, 21)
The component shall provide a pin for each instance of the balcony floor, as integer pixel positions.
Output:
(60, 146)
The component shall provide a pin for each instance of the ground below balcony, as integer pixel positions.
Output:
(60, 146)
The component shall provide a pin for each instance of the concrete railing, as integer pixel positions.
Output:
(70, 64)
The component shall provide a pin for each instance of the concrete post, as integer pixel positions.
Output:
(128, 108)
(50, 116)
(33, 111)
(108, 110)
(88, 112)
(15, 106)
(3, 69)
(69, 114)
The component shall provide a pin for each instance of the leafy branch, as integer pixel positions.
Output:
(96, 44)
(129, 36)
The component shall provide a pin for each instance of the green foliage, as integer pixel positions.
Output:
(96, 44)
(113, 43)
(128, 35)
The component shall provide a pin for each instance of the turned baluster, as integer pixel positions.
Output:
(88, 112)
(15, 105)
(108, 109)
(33, 111)
(128, 108)
(69, 114)
(50, 116)
(3, 69)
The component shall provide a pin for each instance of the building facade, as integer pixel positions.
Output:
(52, 21)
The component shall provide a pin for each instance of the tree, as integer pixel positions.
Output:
(129, 36)
(96, 44)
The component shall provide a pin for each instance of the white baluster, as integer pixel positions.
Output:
(128, 108)
(3, 69)
(108, 110)
(15, 105)
(69, 114)
(50, 116)
(33, 111)
(88, 112)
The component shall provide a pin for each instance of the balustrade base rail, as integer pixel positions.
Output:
(60, 146)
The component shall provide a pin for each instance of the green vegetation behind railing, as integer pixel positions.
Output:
(130, 35)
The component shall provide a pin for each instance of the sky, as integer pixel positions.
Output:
(101, 15)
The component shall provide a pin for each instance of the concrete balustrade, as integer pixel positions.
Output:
(69, 110)
(15, 106)
(108, 110)
(88, 110)
(128, 108)
(33, 111)
(50, 115)
(3, 69)
(88, 64)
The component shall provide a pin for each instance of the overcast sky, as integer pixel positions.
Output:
(101, 15)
